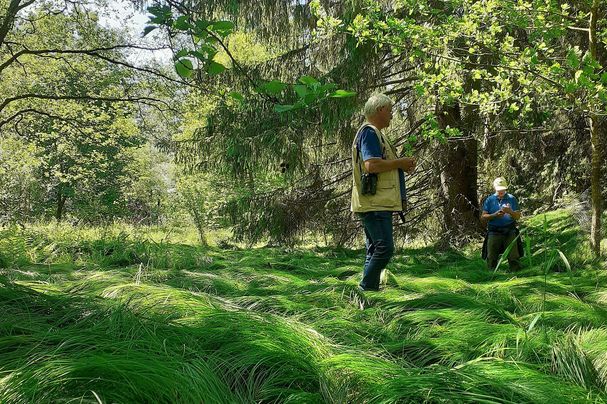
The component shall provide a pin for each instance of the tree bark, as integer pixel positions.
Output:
(595, 187)
(595, 141)
(60, 205)
(459, 173)
(459, 186)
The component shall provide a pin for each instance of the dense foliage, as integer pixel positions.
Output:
(262, 101)
(523, 81)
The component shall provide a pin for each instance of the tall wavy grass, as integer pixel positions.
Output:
(120, 315)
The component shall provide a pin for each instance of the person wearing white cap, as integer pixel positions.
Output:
(501, 212)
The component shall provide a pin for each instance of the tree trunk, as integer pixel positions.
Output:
(459, 173)
(595, 187)
(459, 186)
(198, 221)
(595, 141)
(60, 205)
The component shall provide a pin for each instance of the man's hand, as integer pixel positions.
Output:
(507, 209)
(499, 214)
(378, 165)
(408, 164)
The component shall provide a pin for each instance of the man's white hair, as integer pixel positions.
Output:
(374, 103)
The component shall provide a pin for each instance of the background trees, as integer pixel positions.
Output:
(73, 100)
(266, 98)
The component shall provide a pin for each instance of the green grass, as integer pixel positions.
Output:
(132, 315)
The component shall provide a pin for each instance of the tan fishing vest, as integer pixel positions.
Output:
(387, 196)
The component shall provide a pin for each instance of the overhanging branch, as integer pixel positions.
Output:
(144, 100)
(48, 115)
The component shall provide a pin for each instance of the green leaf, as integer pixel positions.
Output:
(343, 94)
(573, 60)
(160, 20)
(273, 87)
(158, 10)
(148, 29)
(214, 68)
(533, 322)
(204, 53)
(201, 25)
(309, 81)
(198, 55)
(223, 25)
(528, 250)
(283, 108)
(565, 260)
(578, 74)
(556, 68)
(181, 53)
(236, 95)
(325, 88)
(570, 87)
(308, 99)
(182, 23)
(301, 90)
(161, 14)
(534, 60)
(184, 67)
(223, 28)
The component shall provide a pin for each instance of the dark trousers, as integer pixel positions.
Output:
(379, 242)
(498, 243)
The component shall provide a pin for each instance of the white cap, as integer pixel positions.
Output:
(500, 184)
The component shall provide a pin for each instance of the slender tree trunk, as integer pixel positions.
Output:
(60, 205)
(595, 141)
(595, 187)
(198, 221)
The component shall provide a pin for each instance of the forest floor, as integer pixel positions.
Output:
(115, 316)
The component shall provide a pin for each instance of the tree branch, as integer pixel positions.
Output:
(14, 7)
(144, 100)
(93, 53)
(35, 111)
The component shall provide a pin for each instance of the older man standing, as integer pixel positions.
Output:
(378, 187)
(501, 212)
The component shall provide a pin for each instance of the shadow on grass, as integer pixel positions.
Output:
(62, 347)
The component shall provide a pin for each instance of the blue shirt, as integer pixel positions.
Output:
(369, 147)
(493, 204)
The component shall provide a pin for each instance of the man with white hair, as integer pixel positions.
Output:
(378, 187)
(501, 212)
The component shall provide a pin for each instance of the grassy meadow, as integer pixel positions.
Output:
(127, 315)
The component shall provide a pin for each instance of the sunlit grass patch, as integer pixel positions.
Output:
(120, 314)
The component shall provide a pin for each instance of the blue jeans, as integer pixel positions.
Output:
(380, 246)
